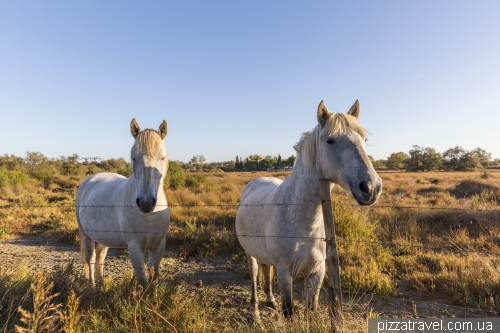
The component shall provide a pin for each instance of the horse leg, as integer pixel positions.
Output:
(87, 248)
(137, 259)
(286, 289)
(154, 258)
(253, 267)
(312, 287)
(101, 252)
(268, 287)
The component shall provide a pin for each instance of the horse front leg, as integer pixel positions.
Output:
(137, 259)
(286, 289)
(312, 287)
(154, 258)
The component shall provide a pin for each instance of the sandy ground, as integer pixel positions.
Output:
(220, 272)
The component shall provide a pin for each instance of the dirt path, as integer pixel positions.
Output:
(220, 272)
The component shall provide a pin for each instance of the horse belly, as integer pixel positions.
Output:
(104, 230)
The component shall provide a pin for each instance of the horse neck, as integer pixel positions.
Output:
(302, 188)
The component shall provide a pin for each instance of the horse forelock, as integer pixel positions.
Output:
(148, 142)
(338, 123)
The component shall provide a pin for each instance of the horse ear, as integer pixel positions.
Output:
(134, 128)
(354, 110)
(162, 131)
(323, 114)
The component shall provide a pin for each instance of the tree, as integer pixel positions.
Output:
(251, 165)
(239, 166)
(237, 163)
(291, 160)
(423, 159)
(469, 162)
(267, 163)
(377, 163)
(35, 160)
(483, 156)
(451, 158)
(432, 159)
(70, 165)
(279, 160)
(395, 161)
(198, 161)
(458, 159)
(202, 159)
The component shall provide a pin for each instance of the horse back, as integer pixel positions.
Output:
(96, 189)
(260, 190)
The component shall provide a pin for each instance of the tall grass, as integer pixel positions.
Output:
(203, 225)
(62, 301)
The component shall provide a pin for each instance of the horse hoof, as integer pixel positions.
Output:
(272, 304)
(287, 310)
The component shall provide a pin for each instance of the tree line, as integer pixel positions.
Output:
(428, 159)
(36, 165)
(45, 169)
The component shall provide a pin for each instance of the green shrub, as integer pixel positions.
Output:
(43, 176)
(195, 180)
(175, 177)
(126, 172)
(12, 178)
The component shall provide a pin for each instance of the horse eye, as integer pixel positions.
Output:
(330, 141)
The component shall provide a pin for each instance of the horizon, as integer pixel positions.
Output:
(246, 78)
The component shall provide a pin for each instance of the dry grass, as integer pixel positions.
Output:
(431, 252)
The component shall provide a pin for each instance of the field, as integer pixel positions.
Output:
(449, 254)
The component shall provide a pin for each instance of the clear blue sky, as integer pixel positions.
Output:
(240, 78)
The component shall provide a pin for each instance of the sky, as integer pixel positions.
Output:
(246, 77)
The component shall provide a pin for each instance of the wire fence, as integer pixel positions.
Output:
(453, 249)
(448, 249)
(257, 205)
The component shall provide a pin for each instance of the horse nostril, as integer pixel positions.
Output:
(154, 202)
(363, 186)
(137, 202)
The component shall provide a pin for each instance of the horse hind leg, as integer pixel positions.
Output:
(253, 267)
(101, 252)
(87, 250)
(266, 275)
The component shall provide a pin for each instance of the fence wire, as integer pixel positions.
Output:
(257, 205)
(234, 236)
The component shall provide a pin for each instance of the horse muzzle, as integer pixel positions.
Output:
(367, 193)
(146, 205)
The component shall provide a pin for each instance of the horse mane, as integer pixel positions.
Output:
(337, 123)
(148, 142)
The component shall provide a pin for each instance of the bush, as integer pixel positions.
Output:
(175, 177)
(195, 180)
(43, 176)
(126, 171)
(12, 178)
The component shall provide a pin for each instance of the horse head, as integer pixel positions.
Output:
(149, 163)
(340, 154)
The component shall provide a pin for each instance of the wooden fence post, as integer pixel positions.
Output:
(332, 258)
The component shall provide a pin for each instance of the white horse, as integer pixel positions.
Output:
(114, 211)
(280, 223)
